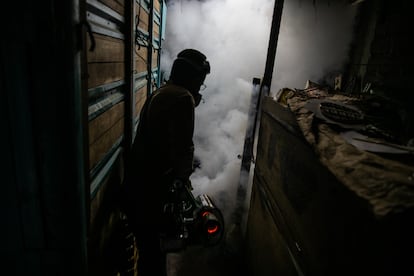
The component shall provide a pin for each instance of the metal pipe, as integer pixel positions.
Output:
(254, 113)
(247, 156)
(271, 51)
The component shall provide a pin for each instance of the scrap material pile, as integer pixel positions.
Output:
(362, 140)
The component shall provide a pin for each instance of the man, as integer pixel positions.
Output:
(162, 153)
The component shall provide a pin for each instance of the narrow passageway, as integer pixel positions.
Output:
(224, 259)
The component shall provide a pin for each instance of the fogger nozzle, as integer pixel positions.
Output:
(211, 224)
(212, 220)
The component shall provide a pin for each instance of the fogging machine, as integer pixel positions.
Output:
(190, 220)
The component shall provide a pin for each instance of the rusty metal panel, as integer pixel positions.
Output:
(266, 249)
(327, 229)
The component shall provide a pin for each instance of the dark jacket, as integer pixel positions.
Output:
(163, 148)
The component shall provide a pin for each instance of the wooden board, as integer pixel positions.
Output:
(143, 16)
(154, 59)
(107, 49)
(141, 57)
(100, 125)
(157, 6)
(105, 242)
(101, 147)
(103, 73)
(156, 29)
(106, 62)
(140, 97)
(116, 5)
(104, 131)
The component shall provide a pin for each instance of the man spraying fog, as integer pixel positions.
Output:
(162, 154)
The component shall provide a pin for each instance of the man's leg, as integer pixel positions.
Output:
(151, 260)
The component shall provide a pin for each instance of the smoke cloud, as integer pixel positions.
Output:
(313, 43)
(234, 34)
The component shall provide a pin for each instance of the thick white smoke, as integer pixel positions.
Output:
(313, 43)
(234, 35)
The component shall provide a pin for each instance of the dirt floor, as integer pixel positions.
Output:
(225, 258)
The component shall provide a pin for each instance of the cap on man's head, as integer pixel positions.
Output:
(196, 59)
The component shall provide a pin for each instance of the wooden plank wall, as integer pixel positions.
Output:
(116, 5)
(156, 28)
(141, 95)
(106, 93)
(106, 63)
(111, 95)
(104, 131)
(107, 90)
(146, 50)
(142, 47)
